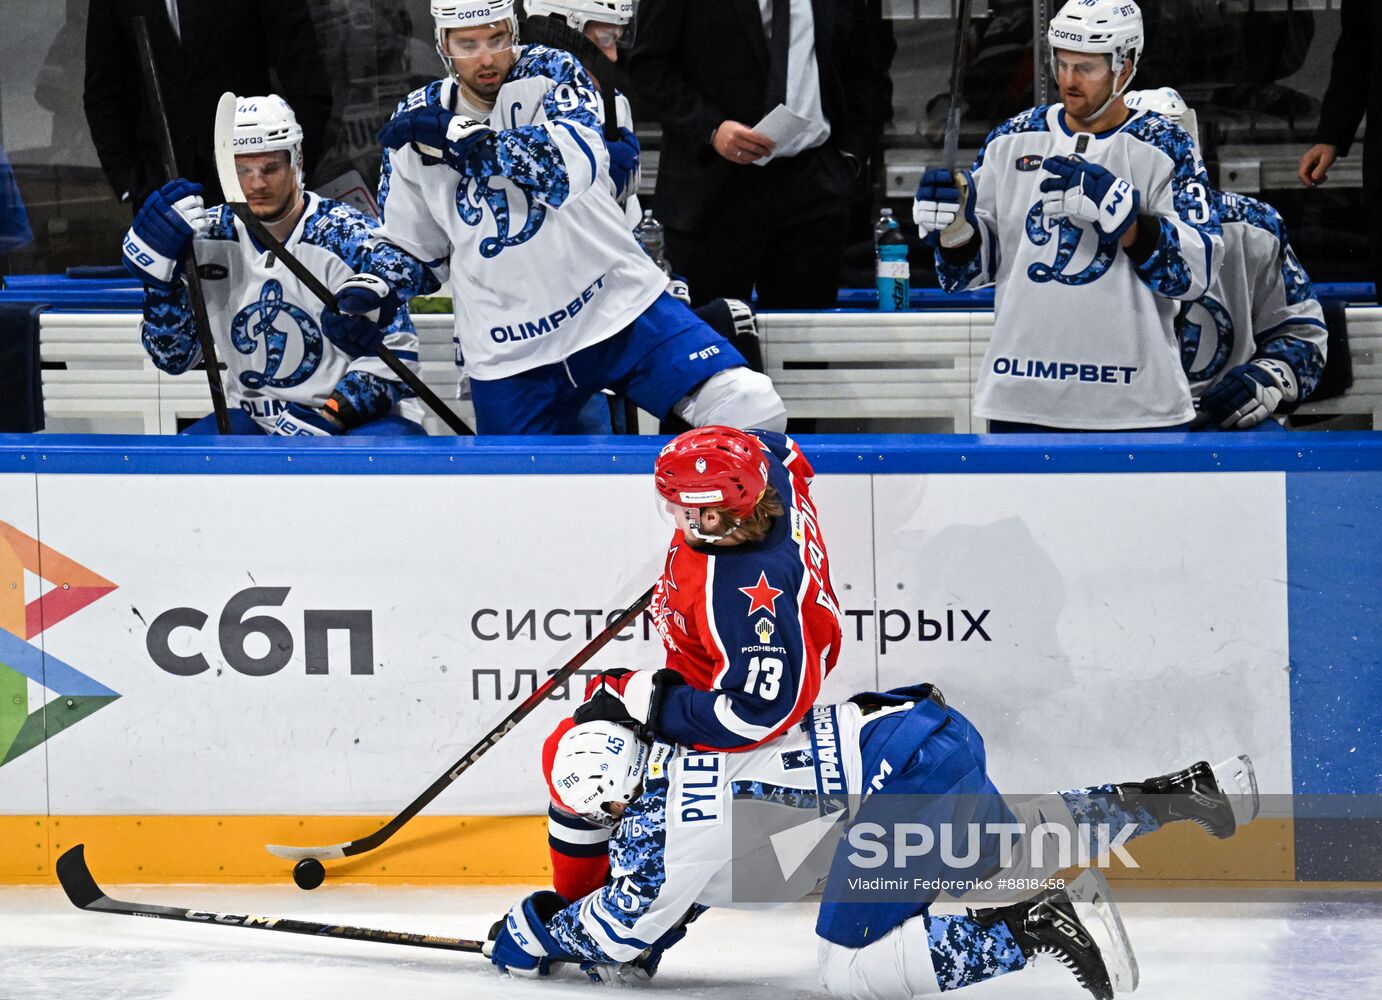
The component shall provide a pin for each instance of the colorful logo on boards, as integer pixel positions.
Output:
(61, 695)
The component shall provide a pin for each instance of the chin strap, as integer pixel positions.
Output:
(296, 204)
(1116, 93)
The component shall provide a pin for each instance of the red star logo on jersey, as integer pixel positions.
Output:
(762, 595)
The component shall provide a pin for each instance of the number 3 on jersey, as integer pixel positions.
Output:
(765, 673)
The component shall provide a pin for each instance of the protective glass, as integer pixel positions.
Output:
(259, 168)
(470, 47)
(607, 35)
(1086, 69)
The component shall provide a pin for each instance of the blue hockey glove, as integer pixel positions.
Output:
(520, 944)
(1249, 394)
(162, 230)
(944, 208)
(623, 163)
(439, 135)
(303, 421)
(1090, 193)
(365, 306)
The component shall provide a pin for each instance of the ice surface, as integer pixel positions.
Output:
(49, 950)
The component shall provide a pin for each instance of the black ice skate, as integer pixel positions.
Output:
(1080, 926)
(1219, 798)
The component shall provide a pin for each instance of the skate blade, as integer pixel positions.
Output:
(1094, 906)
(1238, 781)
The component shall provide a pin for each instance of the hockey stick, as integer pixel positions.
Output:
(957, 83)
(235, 198)
(539, 29)
(85, 894)
(154, 95)
(369, 843)
(1041, 84)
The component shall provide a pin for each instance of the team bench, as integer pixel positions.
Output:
(910, 371)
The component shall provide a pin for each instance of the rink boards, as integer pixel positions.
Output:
(207, 647)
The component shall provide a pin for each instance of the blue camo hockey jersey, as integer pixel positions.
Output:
(1083, 337)
(539, 257)
(1261, 305)
(267, 324)
(677, 846)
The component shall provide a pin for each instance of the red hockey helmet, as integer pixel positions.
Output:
(713, 467)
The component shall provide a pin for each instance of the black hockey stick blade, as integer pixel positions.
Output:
(153, 93)
(76, 878)
(373, 840)
(235, 197)
(539, 29)
(950, 152)
(85, 894)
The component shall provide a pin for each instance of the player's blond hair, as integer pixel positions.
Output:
(756, 526)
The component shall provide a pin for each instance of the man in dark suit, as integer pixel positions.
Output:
(1355, 91)
(709, 70)
(201, 49)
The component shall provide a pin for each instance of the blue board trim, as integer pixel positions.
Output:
(834, 454)
(1334, 564)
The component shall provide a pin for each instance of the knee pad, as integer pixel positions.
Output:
(735, 397)
(895, 967)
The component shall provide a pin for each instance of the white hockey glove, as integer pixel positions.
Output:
(944, 208)
(166, 224)
(1249, 394)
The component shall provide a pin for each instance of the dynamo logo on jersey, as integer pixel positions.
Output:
(1195, 344)
(1067, 242)
(475, 194)
(259, 323)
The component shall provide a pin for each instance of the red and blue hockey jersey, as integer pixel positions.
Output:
(753, 628)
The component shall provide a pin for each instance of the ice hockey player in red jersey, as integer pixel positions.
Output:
(745, 608)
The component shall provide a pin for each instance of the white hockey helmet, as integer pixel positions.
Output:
(1168, 102)
(579, 12)
(264, 124)
(1111, 27)
(472, 13)
(595, 763)
(469, 14)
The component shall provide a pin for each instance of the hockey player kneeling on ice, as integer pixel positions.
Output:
(554, 299)
(1254, 344)
(289, 371)
(696, 829)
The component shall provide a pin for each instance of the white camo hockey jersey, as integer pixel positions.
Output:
(1261, 305)
(267, 324)
(676, 846)
(539, 257)
(1082, 336)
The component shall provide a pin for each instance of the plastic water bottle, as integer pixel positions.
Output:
(894, 273)
(884, 223)
(652, 238)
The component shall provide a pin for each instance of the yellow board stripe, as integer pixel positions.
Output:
(439, 849)
(477, 849)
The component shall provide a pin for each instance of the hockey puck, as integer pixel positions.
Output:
(308, 873)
